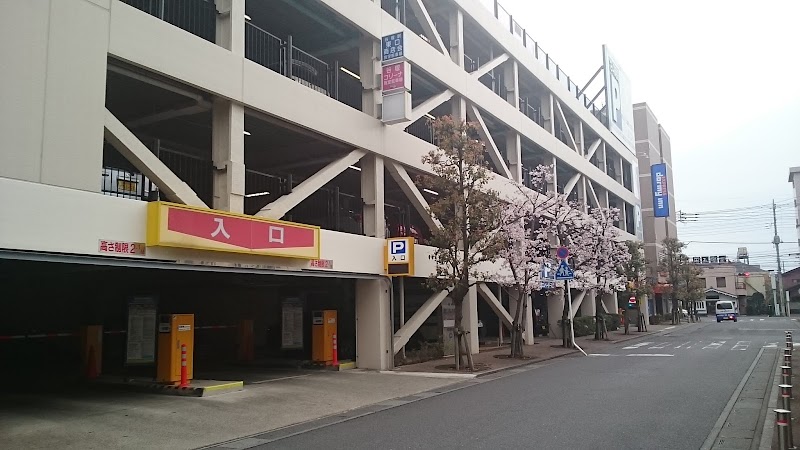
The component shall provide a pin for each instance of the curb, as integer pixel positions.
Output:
(189, 391)
(768, 427)
(525, 364)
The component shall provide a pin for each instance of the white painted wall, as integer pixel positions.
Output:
(55, 138)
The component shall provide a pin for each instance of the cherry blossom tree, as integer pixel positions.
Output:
(599, 255)
(468, 211)
(525, 245)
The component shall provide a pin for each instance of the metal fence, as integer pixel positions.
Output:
(123, 180)
(198, 17)
(282, 56)
(422, 129)
(331, 209)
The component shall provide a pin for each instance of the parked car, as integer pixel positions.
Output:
(726, 311)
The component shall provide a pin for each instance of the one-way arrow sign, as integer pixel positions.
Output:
(564, 272)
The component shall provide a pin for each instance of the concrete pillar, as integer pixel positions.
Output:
(373, 340)
(227, 154)
(369, 60)
(230, 25)
(457, 37)
(470, 318)
(610, 301)
(553, 185)
(527, 321)
(548, 114)
(555, 308)
(459, 105)
(372, 193)
(587, 305)
(514, 155)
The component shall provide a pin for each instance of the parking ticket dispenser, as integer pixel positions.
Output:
(174, 332)
(323, 329)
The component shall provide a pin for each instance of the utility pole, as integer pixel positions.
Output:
(777, 241)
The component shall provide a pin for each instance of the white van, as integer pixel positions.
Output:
(726, 310)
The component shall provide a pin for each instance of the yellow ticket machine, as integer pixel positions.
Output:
(323, 334)
(175, 344)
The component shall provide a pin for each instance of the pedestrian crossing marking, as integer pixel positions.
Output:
(679, 346)
(741, 345)
(659, 346)
(714, 345)
(641, 344)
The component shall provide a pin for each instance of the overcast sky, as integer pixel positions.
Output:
(723, 79)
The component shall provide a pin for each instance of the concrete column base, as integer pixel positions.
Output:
(373, 342)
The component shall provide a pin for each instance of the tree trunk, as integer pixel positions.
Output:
(458, 302)
(598, 306)
(517, 328)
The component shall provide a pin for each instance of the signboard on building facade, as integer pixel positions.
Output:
(393, 46)
(173, 225)
(292, 324)
(658, 175)
(141, 333)
(619, 100)
(396, 76)
(395, 80)
(399, 257)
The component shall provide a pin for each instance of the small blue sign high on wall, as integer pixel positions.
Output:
(392, 47)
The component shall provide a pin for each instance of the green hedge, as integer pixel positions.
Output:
(584, 326)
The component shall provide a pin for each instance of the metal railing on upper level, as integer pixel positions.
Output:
(198, 17)
(279, 55)
(521, 34)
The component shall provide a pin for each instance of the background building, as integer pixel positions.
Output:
(733, 281)
(653, 147)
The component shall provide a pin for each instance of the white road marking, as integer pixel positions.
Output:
(599, 354)
(279, 379)
(741, 345)
(669, 328)
(698, 343)
(660, 345)
(648, 354)
(771, 345)
(714, 345)
(752, 320)
(760, 320)
(683, 345)
(641, 344)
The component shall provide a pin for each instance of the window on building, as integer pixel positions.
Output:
(721, 283)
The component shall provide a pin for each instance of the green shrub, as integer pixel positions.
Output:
(584, 326)
(613, 321)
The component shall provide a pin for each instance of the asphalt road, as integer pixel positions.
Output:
(665, 391)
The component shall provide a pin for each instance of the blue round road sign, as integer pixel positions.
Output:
(562, 252)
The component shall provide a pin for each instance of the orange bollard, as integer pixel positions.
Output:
(184, 369)
(335, 352)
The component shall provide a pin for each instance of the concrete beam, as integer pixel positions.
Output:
(171, 114)
(493, 63)
(426, 107)
(576, 303)
(284, 204)
(402, 336)
(593, 148)
(494, 152)
(400, 175)
(571, 184)
(566, 124)
(495, 304)
(132, 149)
(428, 27)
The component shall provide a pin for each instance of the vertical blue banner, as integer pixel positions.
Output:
(658, 173)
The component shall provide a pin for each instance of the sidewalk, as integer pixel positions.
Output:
(492, 359)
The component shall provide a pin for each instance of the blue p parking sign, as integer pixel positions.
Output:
(400, 257)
